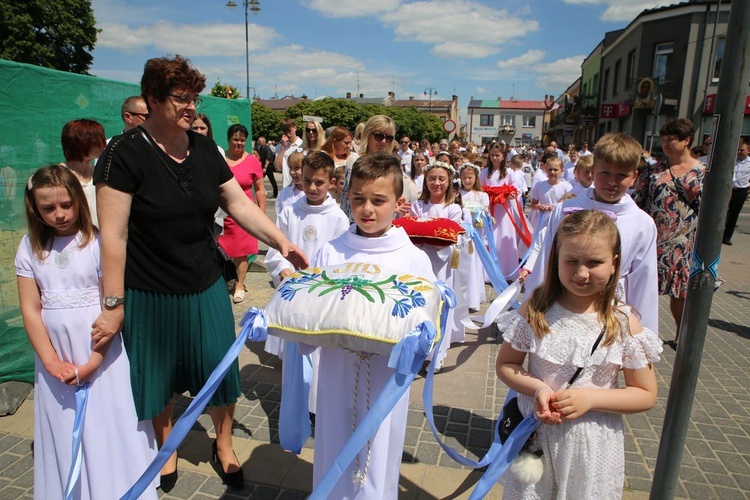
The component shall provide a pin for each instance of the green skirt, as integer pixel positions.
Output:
(174, 342)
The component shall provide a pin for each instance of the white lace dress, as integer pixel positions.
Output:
(583, 458)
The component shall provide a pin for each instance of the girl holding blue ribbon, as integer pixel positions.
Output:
(58, 269)
(577, 338)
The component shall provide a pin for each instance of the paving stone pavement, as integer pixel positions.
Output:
(468, 395)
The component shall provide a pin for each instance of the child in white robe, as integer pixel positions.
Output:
(470, 267)
(584, 175)
(504, 231)
(545, 195)
(616, 158)
(376, 186)
(293, 191)
(438, 201)
(311, 221)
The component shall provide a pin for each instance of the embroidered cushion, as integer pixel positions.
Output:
(439, 232)
(354, 306)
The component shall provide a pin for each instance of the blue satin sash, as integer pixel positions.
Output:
(82, 397)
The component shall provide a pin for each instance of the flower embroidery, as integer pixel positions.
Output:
(405, 291)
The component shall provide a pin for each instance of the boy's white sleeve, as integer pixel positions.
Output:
(536, 249)
(642, 283)
(540, 253)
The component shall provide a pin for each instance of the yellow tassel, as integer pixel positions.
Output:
(454, 257)
(471, 247)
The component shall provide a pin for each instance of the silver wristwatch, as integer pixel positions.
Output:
(112, 301)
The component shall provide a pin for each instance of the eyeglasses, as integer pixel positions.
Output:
(311, 130)
(380, 137)
(185, 101)
(404, 142)
(142, 116)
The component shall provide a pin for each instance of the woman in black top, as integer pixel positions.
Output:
(161, 271)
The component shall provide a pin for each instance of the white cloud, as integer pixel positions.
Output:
(457, 29)
(560, 73)
(481, 90)
(523, 61)
(621, 10)
(360, 8)
(211, 39)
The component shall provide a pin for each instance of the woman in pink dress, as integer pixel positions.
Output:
(249, 173)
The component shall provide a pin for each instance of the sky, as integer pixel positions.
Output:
(485, 49)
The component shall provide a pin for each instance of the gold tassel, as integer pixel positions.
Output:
(454, 257)
(471, 247)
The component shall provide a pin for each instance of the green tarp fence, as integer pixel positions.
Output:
(35, 103)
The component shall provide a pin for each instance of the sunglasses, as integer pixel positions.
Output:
(380, 137)
(311, 130)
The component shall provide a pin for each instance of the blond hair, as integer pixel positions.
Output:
(377, 123)
(619, 150)
(581, 223)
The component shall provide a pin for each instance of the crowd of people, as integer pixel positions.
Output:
(121, 287)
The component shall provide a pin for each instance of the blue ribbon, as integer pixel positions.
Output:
(76, 462)
(255, 328)
(406, 358)
(294, 419)
(509, 450)
(489, 258)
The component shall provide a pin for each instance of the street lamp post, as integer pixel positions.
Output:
(254, 6)
(431, 91)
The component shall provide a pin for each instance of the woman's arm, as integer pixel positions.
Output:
(114, 213)
(31, 311)
(250, 218)
(260, 193)
(535, 204)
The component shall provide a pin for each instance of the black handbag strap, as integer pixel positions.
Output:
(191, 200)
(580, 368)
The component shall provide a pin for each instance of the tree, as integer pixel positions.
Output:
(57, 34)
(224, 91)
(265, 122)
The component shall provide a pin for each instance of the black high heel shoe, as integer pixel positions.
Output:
(167, 481)
(235, 479)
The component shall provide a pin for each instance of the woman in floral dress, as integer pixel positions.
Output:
(671, 193)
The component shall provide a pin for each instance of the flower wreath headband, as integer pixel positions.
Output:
(471, 166)
(441, 164)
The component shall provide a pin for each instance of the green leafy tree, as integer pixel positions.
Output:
(224, 91)
(58, 34)
(265, 122)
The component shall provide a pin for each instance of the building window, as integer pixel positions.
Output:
(529, 121)
(663, 61)
(508, 120)
(718, 57)
(630, 70)
(486, 120)
(605, 83)
(595, 86)
(616, 78)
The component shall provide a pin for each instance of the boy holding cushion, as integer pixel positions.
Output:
(347, 378)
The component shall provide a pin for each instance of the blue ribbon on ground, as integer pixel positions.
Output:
(255, 329)
(509, 450)
(406, 359)
(76, 462)
(294, 419)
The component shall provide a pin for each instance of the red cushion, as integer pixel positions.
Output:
(438, 232)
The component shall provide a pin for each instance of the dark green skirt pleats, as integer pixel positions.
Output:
(174, 342)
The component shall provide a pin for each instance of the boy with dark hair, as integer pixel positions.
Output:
(376, 187)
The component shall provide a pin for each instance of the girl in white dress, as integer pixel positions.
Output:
(418, 162)
(58, 286)
(545, 195)
(477, 203)
(581, 431)
(505, 233)
(437, 201)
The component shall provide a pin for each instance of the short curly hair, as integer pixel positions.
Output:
(161, 75)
